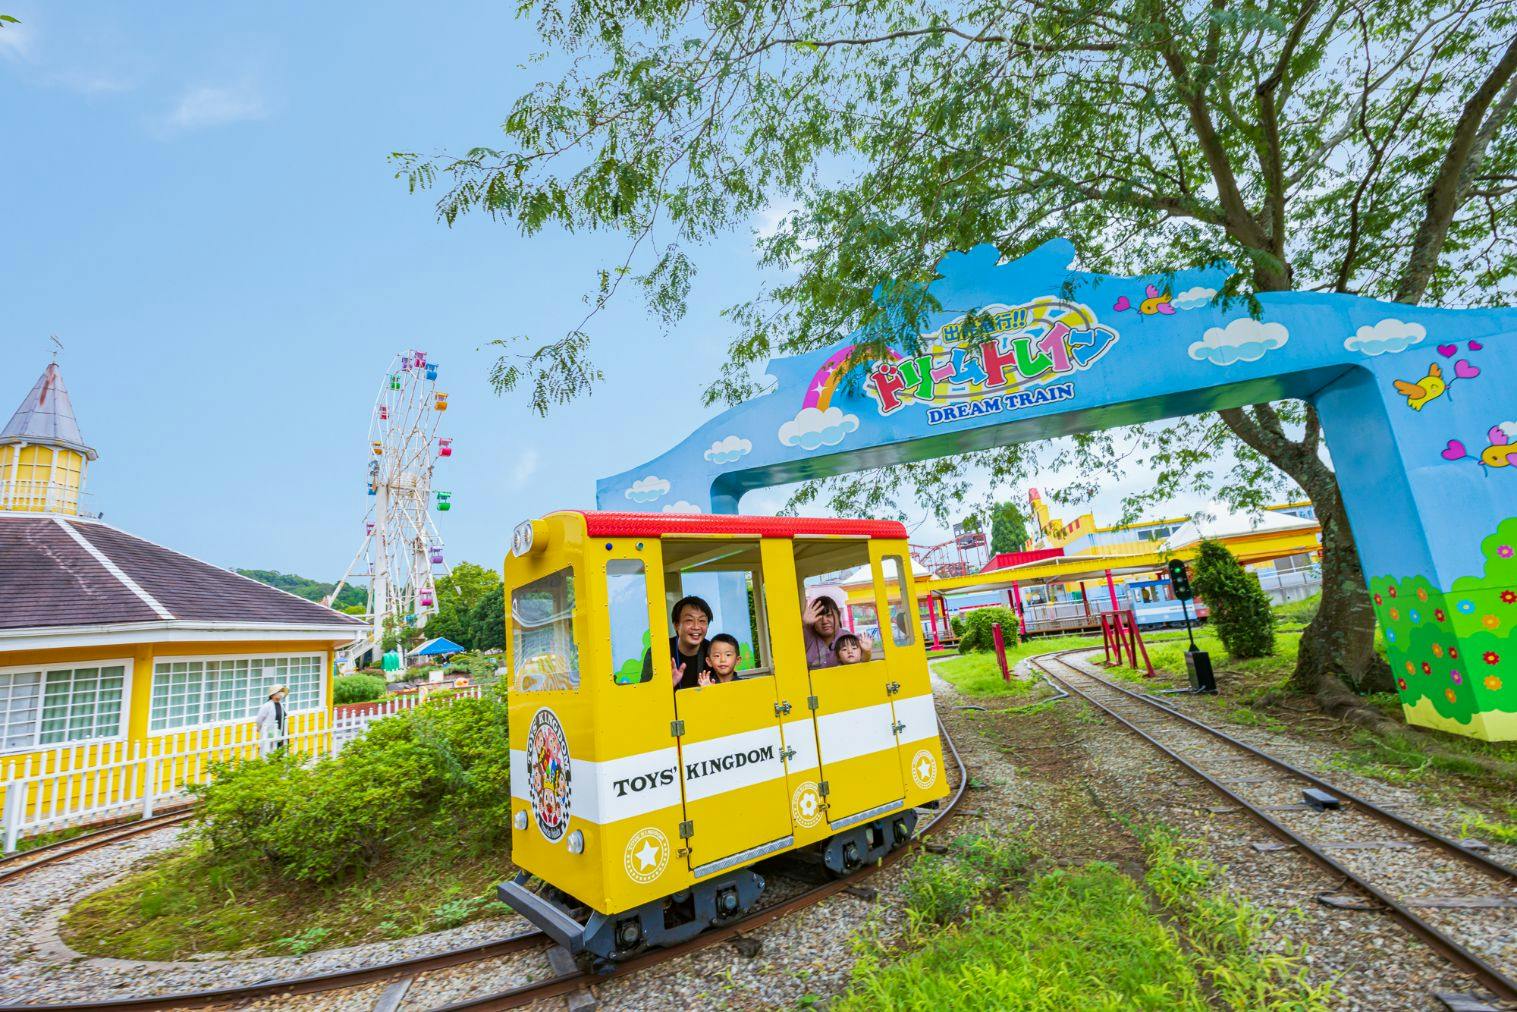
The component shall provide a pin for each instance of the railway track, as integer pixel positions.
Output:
(1456, 886)
(560, 984)
(17, 865)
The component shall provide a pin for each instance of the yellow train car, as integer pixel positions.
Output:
(643, 807)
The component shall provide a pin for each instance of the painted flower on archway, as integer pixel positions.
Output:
(1490, 621)
(1492, 682)
(1440, 615)
(1427, 669)
(1509, 597)
(1491, 657)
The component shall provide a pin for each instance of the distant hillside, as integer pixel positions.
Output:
(311, 590)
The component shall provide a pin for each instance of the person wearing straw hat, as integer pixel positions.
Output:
(270, 722)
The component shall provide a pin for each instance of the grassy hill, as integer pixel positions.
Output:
(311, 590)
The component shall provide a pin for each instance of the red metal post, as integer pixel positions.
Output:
(1137, 637)
(1085, 600)
(932, 617)
(1000, 641)
(1016, 606)
(1111, 590)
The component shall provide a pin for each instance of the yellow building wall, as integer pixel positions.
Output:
(29, 473)
(224, 741)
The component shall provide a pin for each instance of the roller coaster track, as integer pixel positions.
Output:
(1258, 782)
(566, 983)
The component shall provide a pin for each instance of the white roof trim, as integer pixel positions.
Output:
(115, 570)
(166, 632)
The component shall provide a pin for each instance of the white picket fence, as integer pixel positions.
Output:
(84, 784)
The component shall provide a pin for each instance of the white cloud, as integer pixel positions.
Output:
(1387, 336)
(208, 106)
(648, 489)
(1195, 298)
(524, 468)
(683, 507)
(1244, 340)
(728, 449)
(1510, 430)
(812, 427)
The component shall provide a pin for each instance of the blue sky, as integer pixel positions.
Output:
(198, 203)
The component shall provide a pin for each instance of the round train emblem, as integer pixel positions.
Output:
(924, 769)
(806, 805)
(549, 786)
(646, 856)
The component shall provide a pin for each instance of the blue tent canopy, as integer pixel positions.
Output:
(437, 648)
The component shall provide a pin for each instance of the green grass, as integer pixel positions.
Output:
(1086, 938)
(1224, 936)
(1082, 938)
(979, 674)
(184, 904)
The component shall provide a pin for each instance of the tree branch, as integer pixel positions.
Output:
(1443, 196)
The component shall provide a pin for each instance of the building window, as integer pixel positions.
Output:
(58, 706)
(189, 693)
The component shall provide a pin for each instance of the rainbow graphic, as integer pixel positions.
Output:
(819, 390)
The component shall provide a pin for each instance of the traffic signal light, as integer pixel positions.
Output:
(1179, 579)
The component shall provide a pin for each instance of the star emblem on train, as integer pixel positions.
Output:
(924, 769)
(647, 855)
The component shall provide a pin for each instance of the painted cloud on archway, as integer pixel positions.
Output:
(648, 489)
(683, 506)
(1386, 337)
(814, 427)
(728, 449)
(1244, 340)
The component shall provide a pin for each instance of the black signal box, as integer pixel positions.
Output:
(1179, 580)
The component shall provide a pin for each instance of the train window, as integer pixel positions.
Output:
(627, 611)
(543, 650)
(729, 577)
(903, 629)
(831, 569)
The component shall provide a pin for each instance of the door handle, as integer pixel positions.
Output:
(782, 708)
(787, 753)
(891, 688)
(898, 726)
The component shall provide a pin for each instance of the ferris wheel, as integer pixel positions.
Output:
(402, 548)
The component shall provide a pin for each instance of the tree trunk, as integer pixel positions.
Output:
(1337, 649)
(1339, 643)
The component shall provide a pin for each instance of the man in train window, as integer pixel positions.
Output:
(688, 646)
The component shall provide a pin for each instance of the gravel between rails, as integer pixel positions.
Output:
(36, 966)
(1375, 962)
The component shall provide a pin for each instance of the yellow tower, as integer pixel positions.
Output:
(43, 457)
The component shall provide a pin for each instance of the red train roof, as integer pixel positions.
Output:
(657, 525)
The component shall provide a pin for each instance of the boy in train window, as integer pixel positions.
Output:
(721, 660)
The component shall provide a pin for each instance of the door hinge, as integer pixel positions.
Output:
(677, 728)
(787, 753)
(824, 788)
(812, 703)
(782, 708)
(891, 688)
(898, 726)
(686, 830)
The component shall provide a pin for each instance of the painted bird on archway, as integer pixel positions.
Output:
(1428, 388)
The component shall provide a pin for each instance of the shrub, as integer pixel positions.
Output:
(1240, 610)
(357, 688)
(443, 768)
(977, 623)
(956, 623)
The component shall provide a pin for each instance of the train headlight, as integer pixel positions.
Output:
(528, 536)
(520, 820)
(576, 842)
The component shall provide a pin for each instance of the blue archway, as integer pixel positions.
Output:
(1417, 406)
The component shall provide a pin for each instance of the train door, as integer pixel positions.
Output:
(732, 765)
(914, 718)
(856, 744)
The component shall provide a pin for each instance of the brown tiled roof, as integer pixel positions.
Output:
(48, 579)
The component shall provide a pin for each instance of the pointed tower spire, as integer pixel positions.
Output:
(43, 455)
(46, 416)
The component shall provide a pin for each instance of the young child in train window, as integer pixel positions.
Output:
(848, 648)
(721, 660)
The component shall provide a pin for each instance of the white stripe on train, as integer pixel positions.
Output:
(616, 789)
